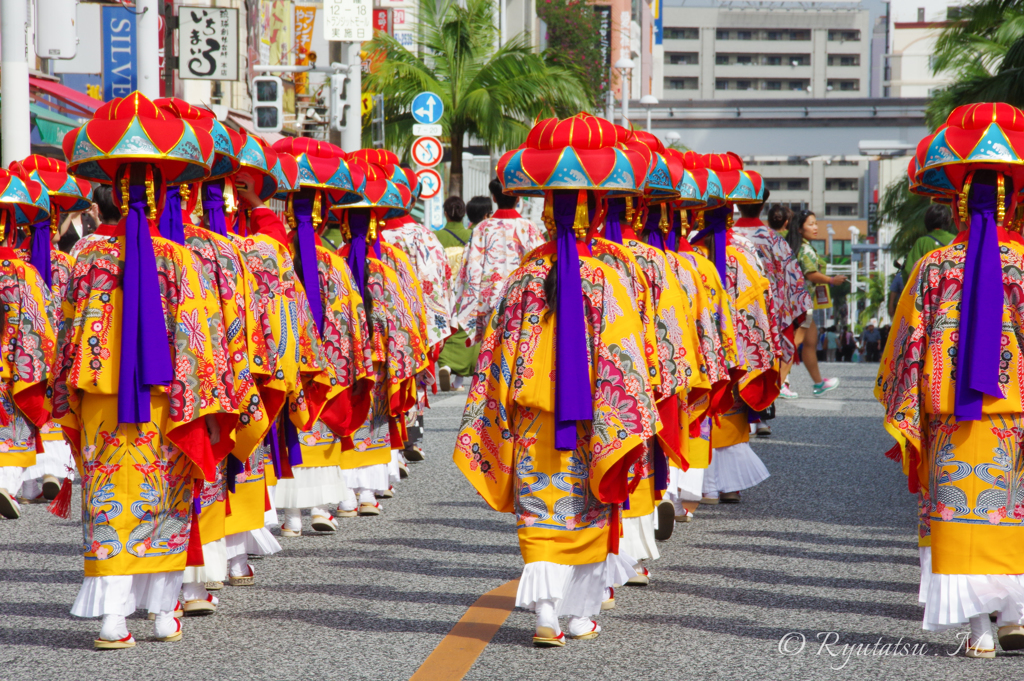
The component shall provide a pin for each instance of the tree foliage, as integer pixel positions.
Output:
(491, 93)
(574, 43)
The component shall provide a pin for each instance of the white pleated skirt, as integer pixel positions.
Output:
(256, 542)
(55, 459)
(124, 594)
(314, 486)
(394, 473)
(733, 469)
(373, 478)
(637, 538)
(577, 590)
(11, 477)
(215, 564)
(270, 515)
(925, 554)
(685, 485)
(952, 600)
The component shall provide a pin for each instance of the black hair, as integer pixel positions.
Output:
(103, 196)
(795, 237)
(938, 216)
(454, 209)
(503, 200)
(778, 216)
(479, 208)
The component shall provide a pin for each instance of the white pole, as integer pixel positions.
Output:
(352, 137)
(851, 303)
(16, 127)
(625, 98)
(147, 57)
(502, 28)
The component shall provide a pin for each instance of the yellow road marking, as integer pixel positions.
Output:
(455, 654)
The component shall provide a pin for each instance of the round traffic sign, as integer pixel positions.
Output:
(427, 108)
(427, 151)
(430, 180)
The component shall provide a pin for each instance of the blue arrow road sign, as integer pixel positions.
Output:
(427, 108)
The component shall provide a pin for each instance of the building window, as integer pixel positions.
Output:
(743, 85)
(798, 85)
(682, 84)
(682, 33)
(797, 185)
(844, 36)
(842, 210)
(773, 35)
(721, 59)
(844, 60)
(772, 60)
(841, 184)
(721, 84)
(722, 34)
(744, 35)
(744, 59)
(681, 58)
(799, 35)
(799, 60)
(844, 85)
(773, 185)
(773, 85)
(847, 163)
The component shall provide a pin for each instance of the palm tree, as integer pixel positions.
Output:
(491, 93)
(905, 209)
(984, 52)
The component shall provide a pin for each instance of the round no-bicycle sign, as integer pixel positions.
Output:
(427, 151)
(430, 180)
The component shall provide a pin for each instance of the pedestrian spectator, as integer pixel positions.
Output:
(871, 341)
(107, 213)
(803, 229)
(938, 222)
(478, 209)
(822, 347)
(831, 344)
(848, 343)
(778, 219)
(895, 289)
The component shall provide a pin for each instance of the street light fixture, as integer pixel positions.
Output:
(624, 66)
(648, 101)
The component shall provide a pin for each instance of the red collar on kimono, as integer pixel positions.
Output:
(119, 229)
(105, 230)
(506, 214)
(551, 247)
(27, 244)
(8, 253)
(683, 245)
(1004, 235)
(263, 221)
(748, 222)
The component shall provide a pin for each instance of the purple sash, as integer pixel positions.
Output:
(715, 221)
(308, 272)
(574, 392)
(40, 252)
(652, 228)
(981, 308)
(213, 206)
(171, 225)
(145, 352)
(613, 220)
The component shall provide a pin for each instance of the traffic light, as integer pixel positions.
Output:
(267, 104)
(341, 111)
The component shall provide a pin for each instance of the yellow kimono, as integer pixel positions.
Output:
(566, 503)
(137, 479)
(968, 474)
(30, 330)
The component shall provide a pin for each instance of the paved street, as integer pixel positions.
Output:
(827, 544)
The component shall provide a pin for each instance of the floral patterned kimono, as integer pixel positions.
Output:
(506, 446)
(56, 454)
(495, 250)
(137, 479)
(430, 264)
(30, 327)
(968, 474)
(789, 292)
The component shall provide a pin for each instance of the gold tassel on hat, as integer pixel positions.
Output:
(581, 222)
(962, 202)
(683, 222)
(150, 194)
(663, 223)
(371, 232)
(289, 213)
(346, 230)
(1000, 199)
(230, 198)
(629, 210)
(316, 211)
(124, 197)
(548, 216)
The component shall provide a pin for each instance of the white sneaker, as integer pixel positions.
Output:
(788, 393)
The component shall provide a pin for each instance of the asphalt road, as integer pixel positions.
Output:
(827, 544)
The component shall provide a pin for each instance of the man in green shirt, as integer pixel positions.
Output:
(938, 221)
(454, 234)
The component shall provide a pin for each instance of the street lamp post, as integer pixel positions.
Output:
(625, 66)
(851, 303)
(15, 124)
(648, 101)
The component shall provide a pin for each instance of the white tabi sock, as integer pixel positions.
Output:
(165, 625)
(292, 519)
(367, 497)
(114, 628)
(317, 510)
(981, 633)
(546, 616)
(194, 591)
(582, 625)
(238, 566)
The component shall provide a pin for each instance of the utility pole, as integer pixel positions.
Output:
(352, 138)
(335, 58)
(147, 55)
(16, 127)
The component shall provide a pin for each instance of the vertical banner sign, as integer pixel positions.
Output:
(659, 12)
(348, 20)
(161, 29)
(252, 40)
(119, 47)
(207, 43)
(604, 26)
(382, 21)
(304, 17)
